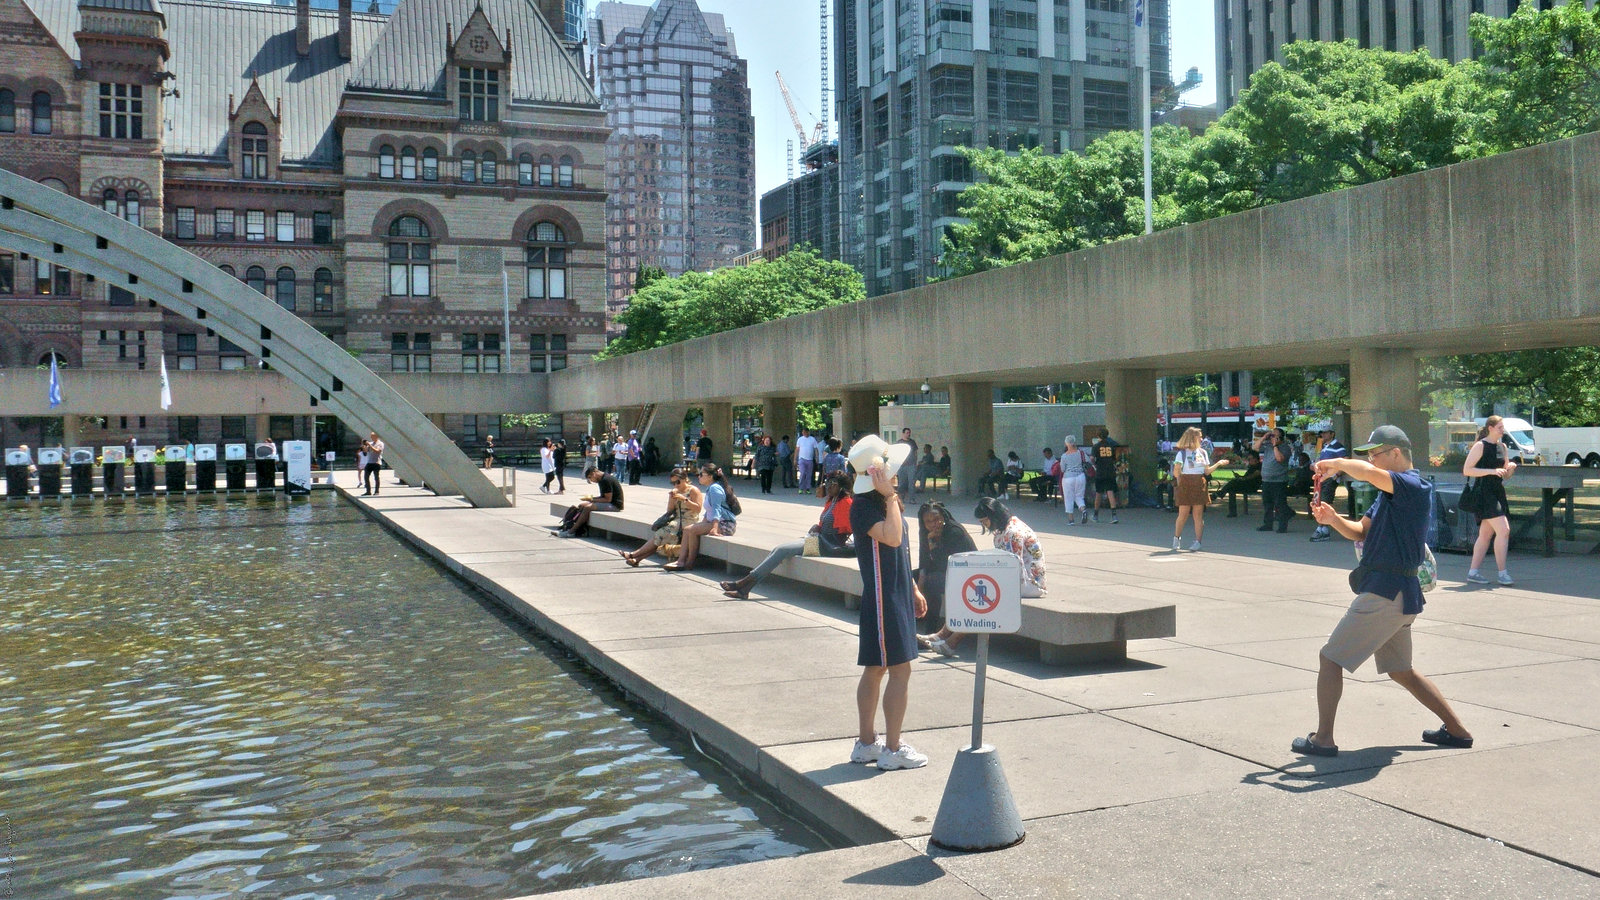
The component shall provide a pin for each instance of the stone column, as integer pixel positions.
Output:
(777, 417)
(858, 415)
(1384, 391)
(597, 423)
(668, 432)
(70, 430)
(971, 435)
(719, 426)
(1131, 410)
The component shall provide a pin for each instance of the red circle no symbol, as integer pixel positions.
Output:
(981, 594)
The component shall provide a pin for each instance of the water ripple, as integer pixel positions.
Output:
(191, 706)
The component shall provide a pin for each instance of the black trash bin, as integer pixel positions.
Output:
(112, 477)
(177, 477)
(266, 474)
(144, 478)
(83, 478)
(205, 475)
(50, 479)
(18, 482)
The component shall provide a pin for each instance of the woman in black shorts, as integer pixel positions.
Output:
(1487, 462)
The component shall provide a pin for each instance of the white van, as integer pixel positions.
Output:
(1519, 438)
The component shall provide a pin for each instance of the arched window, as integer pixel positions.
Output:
(109, 203)
(410, 258)
(8, 111)
(322, 291)
(565, 172)
(130, 207)
(253, 151)
(226, 270)
(547, 174)
(430, 164)
(547, 262)
(408, 163)
(256, 277)
(53, 356)
(525, 169)
(284, 292)
(469, 167)
(43, 120)
(491, 167)
(386, 161)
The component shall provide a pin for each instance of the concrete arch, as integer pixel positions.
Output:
(67, 232)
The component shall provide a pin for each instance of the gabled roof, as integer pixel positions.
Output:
(219, 48)
(410, 56)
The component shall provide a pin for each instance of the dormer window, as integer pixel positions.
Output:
(480, 94)
(253, 151)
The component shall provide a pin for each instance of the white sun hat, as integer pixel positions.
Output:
(874, 451)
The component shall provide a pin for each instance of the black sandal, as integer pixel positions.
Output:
(1444, 738)
(1307, 747)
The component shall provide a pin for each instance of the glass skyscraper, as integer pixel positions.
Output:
(680, 164)
(919, 78)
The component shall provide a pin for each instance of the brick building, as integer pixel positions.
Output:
(381, 176)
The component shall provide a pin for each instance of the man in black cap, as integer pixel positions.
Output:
(1388, 594)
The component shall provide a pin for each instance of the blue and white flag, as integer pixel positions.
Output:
(55, 383)
(1138, 13)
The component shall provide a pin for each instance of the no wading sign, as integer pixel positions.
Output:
(983, 592)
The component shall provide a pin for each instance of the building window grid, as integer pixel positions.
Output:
(413, 355)
(43, 113)
(183, 223)
(283, 289)
(255, 225)
(408, 163)
(410, 258)
(547, 265)
(284, 231)
(322, 291)
(547, 352)
(253, 151)
(479, 94)
(480, 352)
(430, 164)
(8, 111)
(122, 111)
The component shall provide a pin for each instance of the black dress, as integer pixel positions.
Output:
(1489, 496)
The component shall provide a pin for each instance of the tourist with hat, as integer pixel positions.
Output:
(890, 604)
(1393, 532)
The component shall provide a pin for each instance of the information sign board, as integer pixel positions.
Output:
(983, 593)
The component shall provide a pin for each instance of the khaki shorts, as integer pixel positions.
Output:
(1375, 628)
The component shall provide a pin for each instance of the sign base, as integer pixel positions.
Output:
(977, 813)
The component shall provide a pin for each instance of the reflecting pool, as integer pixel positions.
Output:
(210, 697)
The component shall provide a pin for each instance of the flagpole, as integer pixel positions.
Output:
(1143, 45)
(505, 296)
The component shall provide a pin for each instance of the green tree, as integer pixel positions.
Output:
(1541, 70)
(646, 276)
(696, 304)
(1562, 383)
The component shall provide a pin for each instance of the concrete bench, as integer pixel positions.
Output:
(1084, 628)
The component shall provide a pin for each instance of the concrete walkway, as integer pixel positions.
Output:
(1170, 776)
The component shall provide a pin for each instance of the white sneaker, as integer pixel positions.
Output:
(905, 758)
(1194, 547)
(1175, 545)
(925, 641)
(1476, 578)
(1505, 579)
(941, 647)
(868, 754)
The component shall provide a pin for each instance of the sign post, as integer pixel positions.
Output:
(983, 596)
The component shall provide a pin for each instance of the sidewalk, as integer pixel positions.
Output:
(1167, 776)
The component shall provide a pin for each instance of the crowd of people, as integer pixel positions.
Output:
(863, 496)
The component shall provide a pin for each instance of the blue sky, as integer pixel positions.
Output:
(782, 35)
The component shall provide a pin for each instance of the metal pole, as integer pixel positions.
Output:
(505, 345)
(977, 691)
(1143, 27)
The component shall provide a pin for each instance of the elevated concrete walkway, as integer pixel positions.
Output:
(1167, 777)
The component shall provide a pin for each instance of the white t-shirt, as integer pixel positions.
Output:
(375, 455)
(620, 450)
(806, 447)
(547, 460)
(1193, 462)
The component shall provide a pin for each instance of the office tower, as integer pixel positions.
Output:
(919, 78)
(680, 163)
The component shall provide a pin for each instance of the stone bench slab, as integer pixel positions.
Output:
(1087, 627)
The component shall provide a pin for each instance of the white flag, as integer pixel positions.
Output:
(166, 387)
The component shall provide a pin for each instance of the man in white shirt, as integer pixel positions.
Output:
(619, 458)
(805, 450)
(374, 463)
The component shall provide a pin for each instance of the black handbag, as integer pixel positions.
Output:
(1469, 497)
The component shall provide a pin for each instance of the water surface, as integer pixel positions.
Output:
(209, 697)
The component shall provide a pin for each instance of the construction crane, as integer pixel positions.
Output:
(799, 129)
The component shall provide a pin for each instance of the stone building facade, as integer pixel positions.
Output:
(395, 180)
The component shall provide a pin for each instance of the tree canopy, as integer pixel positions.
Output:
(1330, 116)
(695, 304)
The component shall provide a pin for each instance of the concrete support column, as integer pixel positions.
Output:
(264, 429)
(777, 418)
(597, 423)
(1131, 409)
(719, 426)
(858, 415)
(1384, 391)
(630, 418)
(668, 432)
(971, 435)
(70, 430)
